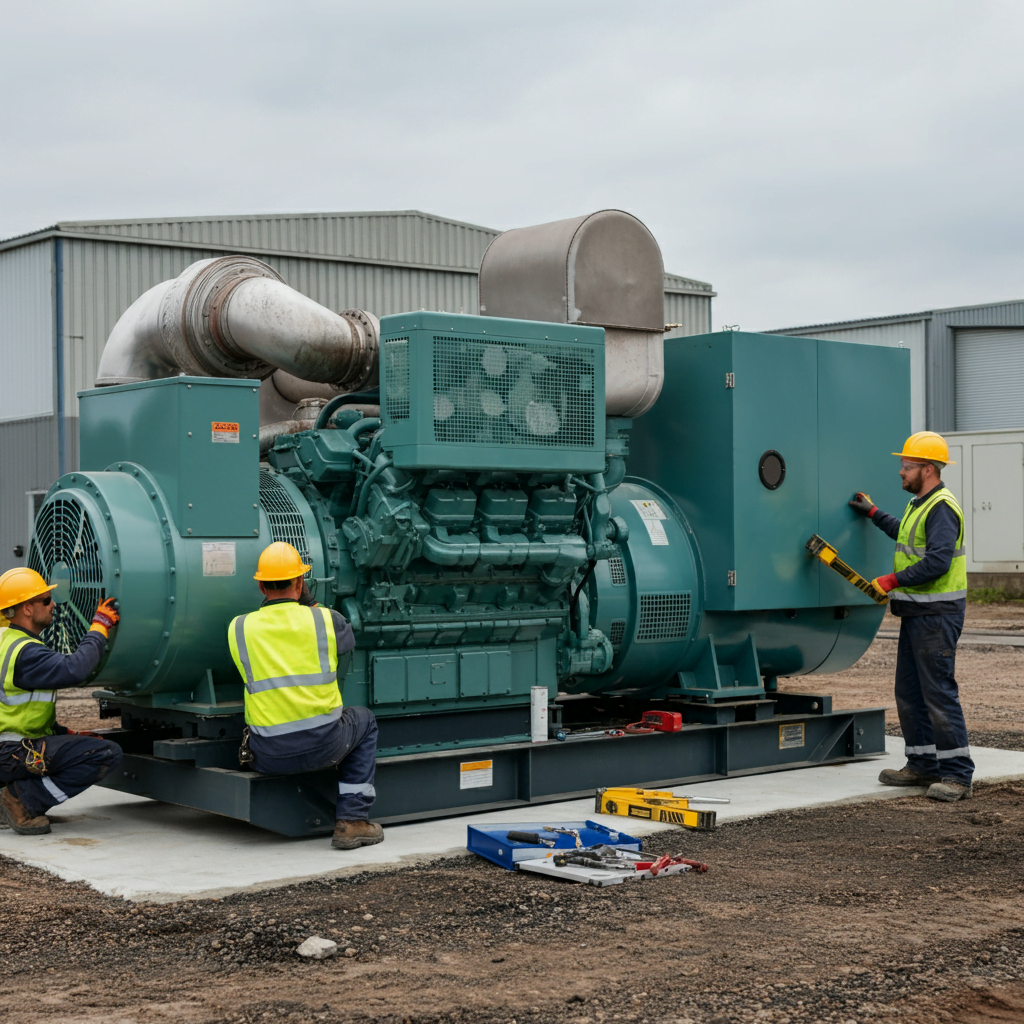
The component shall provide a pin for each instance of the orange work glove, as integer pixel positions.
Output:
(885, 583)
(106, 617)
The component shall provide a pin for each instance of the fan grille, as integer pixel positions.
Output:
(64, 550)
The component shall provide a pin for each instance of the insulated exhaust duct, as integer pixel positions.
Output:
(234, 316)
(605, 270)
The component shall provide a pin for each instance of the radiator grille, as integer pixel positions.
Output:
(396, 379)
(617, 569)
(519, 393)
(663, 617)
(64, 547)
(286, 522)
(617, 633)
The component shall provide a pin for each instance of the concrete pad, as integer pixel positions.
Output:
(128, 846)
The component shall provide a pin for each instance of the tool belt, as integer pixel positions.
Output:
(245, 755)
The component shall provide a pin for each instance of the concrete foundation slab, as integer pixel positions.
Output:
(128, 846)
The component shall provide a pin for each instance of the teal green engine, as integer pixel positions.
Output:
(482, 535)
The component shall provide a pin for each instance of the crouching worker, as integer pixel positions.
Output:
(287, 652)
(42, 763)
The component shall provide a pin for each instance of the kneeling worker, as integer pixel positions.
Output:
(928, 588)
(42, 763)
(287, 652)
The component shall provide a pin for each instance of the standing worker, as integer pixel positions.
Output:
(42, 763)
(287, 652)
(928, 588)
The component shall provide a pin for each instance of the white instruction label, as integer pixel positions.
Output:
(476, 774)
(791, 736)
(652, 515)
(219, 558)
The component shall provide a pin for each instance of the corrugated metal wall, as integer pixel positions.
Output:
(908, 334)
(989, 378)
(692, 311)
(26, 332)
(28, 455)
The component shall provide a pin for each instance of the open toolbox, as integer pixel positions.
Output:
(492, 842)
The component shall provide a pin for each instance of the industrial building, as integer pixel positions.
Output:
(967, 383)
(63, 288)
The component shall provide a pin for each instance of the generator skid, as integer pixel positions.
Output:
(546, 495)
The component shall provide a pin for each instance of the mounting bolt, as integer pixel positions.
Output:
(190, 504)
(190, 529)
(190, 433)
(255, 533)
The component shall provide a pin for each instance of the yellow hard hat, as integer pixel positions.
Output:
(20, 585)
(280, 561)
(928, 445)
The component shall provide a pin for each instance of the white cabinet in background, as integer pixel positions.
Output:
(998, 502)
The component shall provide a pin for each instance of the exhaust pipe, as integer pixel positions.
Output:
(234, 316)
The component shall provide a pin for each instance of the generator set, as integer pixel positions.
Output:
(547, 495)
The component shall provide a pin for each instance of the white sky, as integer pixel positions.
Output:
(814, 159)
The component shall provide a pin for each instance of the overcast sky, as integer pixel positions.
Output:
(814, 159)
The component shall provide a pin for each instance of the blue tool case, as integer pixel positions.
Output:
(492, 842)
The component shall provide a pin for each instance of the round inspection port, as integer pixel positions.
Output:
(772, 469)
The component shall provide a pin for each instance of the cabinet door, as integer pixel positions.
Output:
(998, 477)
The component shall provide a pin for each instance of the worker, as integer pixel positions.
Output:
(928, 590)
(288, 652)
(43, 763)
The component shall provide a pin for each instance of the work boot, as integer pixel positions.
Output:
(348, 835)
(949, 789)
(14, 812)
(906, 776)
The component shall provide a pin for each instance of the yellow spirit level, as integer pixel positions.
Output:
(821, 549)
(652, 805)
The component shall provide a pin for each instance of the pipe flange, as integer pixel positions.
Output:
(363, 371)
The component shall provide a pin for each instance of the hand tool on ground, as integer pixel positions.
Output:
(669, 861)
(574, 832)
(564, 734)
(652, 805)
(529, 837)
(822, 550)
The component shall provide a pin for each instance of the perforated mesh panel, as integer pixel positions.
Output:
(64, 547)
(518, 393)
(617, 633)
(286, 521)
(396, 378)
(663, 617)
(618, 572)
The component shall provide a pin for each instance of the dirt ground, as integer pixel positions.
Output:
(908, 911)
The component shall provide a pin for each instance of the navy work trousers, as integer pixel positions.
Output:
(74, 763)
(928, 699)
(352, 748)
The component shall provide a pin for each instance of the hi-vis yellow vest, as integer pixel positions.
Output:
(288, 656)
(23, 713)
(910, 547)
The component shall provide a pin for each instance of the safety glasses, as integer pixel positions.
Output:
(45, 600)
(908, 465)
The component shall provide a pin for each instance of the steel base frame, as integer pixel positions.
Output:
(804, 732)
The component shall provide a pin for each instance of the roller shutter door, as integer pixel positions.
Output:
(989, 378)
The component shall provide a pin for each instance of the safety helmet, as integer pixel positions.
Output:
(20, 585)
(926, 445)
(280, 561)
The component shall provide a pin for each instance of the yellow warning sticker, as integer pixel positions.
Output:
(224, 433)
(791, 735)
(476, 774)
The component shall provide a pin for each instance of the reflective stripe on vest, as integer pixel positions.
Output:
(911, 544)
(287, 655)
(23, 713)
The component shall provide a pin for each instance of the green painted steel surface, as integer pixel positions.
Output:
(831, 410)
(474, 392)
(196, 435)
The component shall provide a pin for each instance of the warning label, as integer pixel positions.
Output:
(639, 812)
(225, 433)
(476, 774)
(652, 515)
(791, 735)
(219, 558)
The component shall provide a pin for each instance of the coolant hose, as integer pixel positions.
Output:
(339, 400)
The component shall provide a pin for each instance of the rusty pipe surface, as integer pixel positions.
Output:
(234, 316)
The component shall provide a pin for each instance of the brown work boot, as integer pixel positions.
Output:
(906, 776)
(950, 790)
(348, 835)
(13, 811)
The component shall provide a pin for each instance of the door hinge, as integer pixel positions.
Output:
(731, 578)
(730, 380)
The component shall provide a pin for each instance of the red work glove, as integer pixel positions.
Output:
(106, 617)
(863, 504)
(885, 583)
